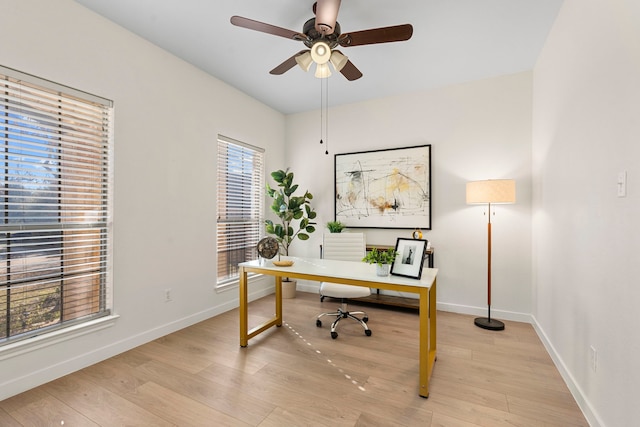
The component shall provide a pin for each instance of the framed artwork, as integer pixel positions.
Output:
(384, 188)
(410, 258)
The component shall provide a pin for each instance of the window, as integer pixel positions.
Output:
(240, 205)
(54, 177)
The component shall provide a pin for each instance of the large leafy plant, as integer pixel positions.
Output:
(295, 212)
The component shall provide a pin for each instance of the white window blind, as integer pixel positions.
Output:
(54, 195)
(240, 205)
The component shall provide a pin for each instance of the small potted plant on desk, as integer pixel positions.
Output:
(295, 218)
(335, 226)
(383, 259)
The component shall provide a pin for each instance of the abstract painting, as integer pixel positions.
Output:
(384, 188)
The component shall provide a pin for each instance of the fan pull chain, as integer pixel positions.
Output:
(321, 118)
(324, 113)
(326, 117)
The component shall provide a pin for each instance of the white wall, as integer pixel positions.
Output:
(586, 129)
(478, 130)
(168, 115)
(584, 98)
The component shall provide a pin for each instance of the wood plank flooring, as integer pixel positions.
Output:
(297, 375)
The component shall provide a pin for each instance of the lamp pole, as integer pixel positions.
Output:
(487, 322)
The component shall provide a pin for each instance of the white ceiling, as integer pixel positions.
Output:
(453, 41)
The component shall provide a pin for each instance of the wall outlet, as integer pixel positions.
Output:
(167, 295)
(593, 353)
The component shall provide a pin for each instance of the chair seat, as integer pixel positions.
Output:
(348, 247)
(337, 290)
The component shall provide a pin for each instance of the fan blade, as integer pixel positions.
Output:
(250, 24)
(395, 33)
(286, 65)
(350, 71)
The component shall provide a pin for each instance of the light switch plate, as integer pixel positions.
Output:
(622, 184)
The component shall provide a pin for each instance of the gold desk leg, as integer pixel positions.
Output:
(428, 336)
(245, 333)
(278, 301)
(244, 315)
(433, 328)
(424, 343)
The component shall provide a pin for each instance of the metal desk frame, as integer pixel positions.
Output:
(351, 273)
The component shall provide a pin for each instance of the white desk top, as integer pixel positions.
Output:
(327, 270)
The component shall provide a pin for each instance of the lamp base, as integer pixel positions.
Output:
(491, 324)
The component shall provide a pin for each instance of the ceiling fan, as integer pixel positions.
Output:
(322, 35)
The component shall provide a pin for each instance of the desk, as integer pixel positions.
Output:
(351, 273)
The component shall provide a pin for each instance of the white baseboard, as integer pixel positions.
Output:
(585, 406)
(482, 311)
(313, 287)
(307, 286)
(574, 388)
(576, 391)
(48, 373)
(52, 372)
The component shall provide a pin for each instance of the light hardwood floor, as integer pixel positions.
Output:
(298, 376)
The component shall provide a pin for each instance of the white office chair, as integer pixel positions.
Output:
(346, 247)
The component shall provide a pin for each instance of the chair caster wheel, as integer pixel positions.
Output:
(368, 332)
(365, 319)
(318, 323)
(334, 335)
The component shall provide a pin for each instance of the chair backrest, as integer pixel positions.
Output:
(343, 246)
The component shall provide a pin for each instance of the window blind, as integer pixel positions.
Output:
(240, 205)
(55, 193)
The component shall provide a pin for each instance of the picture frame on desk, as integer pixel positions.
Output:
(410, 258)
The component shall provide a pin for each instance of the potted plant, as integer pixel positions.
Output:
(295, 215)
(383, 259)
(335, 226)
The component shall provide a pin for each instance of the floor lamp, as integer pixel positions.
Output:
(492, 191)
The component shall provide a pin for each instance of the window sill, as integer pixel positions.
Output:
(234, 283)
(40, 341)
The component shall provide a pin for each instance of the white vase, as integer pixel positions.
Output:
(382, 270)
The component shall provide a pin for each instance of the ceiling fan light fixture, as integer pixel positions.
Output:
(338, 60)
(304, 60)
(323, 71)
(320, 52)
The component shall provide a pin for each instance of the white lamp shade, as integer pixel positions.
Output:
(338, 60)
(304, 60)
(320, 52)
(491, 191)
(322, 71)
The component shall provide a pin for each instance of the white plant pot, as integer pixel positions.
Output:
(382, 270)
(289, 289)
